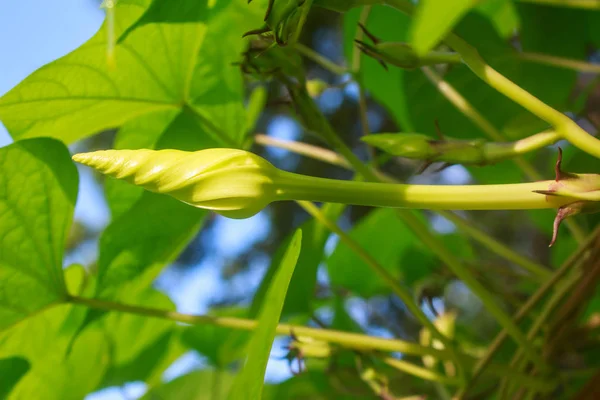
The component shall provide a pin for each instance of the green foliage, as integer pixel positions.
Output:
(433, 20)
(249, 382)
(180, 75)
(38, 189)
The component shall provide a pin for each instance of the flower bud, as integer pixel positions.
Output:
(409, 145)
(233, 183)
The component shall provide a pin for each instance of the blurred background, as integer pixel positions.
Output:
(225, 262)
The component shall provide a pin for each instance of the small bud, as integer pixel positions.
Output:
(233, 183)
(423, 147)
(409, 145)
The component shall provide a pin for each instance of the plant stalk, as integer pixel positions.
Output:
(518, 196)
(350, 340)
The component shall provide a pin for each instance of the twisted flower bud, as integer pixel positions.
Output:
(238, 184)
(234, 183)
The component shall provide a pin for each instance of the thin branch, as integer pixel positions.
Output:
(346, 339)
(561, 62)
(320, 60)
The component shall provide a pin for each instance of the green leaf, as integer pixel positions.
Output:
(11, 370)
(304, 280)
(60, 368)
(539, 35)
(197, 385)
(249, 382)
(146, 237)
(59, 376)
(433, 20)
(138, 344)
(134, 243)
(158, 67)
(38, 190)
(383, 235)
(502, 14)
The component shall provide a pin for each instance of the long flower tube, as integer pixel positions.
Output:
(238, 184)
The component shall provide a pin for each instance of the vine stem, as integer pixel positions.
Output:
(320, 60)
(331, 157)
(561, 62)
(564, 126)
(521, 146)
(516, 196)
(573, 260)
(346, 339)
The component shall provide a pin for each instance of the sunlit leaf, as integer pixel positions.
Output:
(385, 238)
(159, 66)
(434, 19)
(197, 385)
(38, 189)
(249, 382)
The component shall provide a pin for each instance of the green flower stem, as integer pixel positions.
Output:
(423, 373)
(320, 60)
(520, 147)
(349, 340)
(564, 126)
(486, 240)
(518, 196)
(390, 280)
(430, 375)
(567, 63)
(574, 259)
(585, 4)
